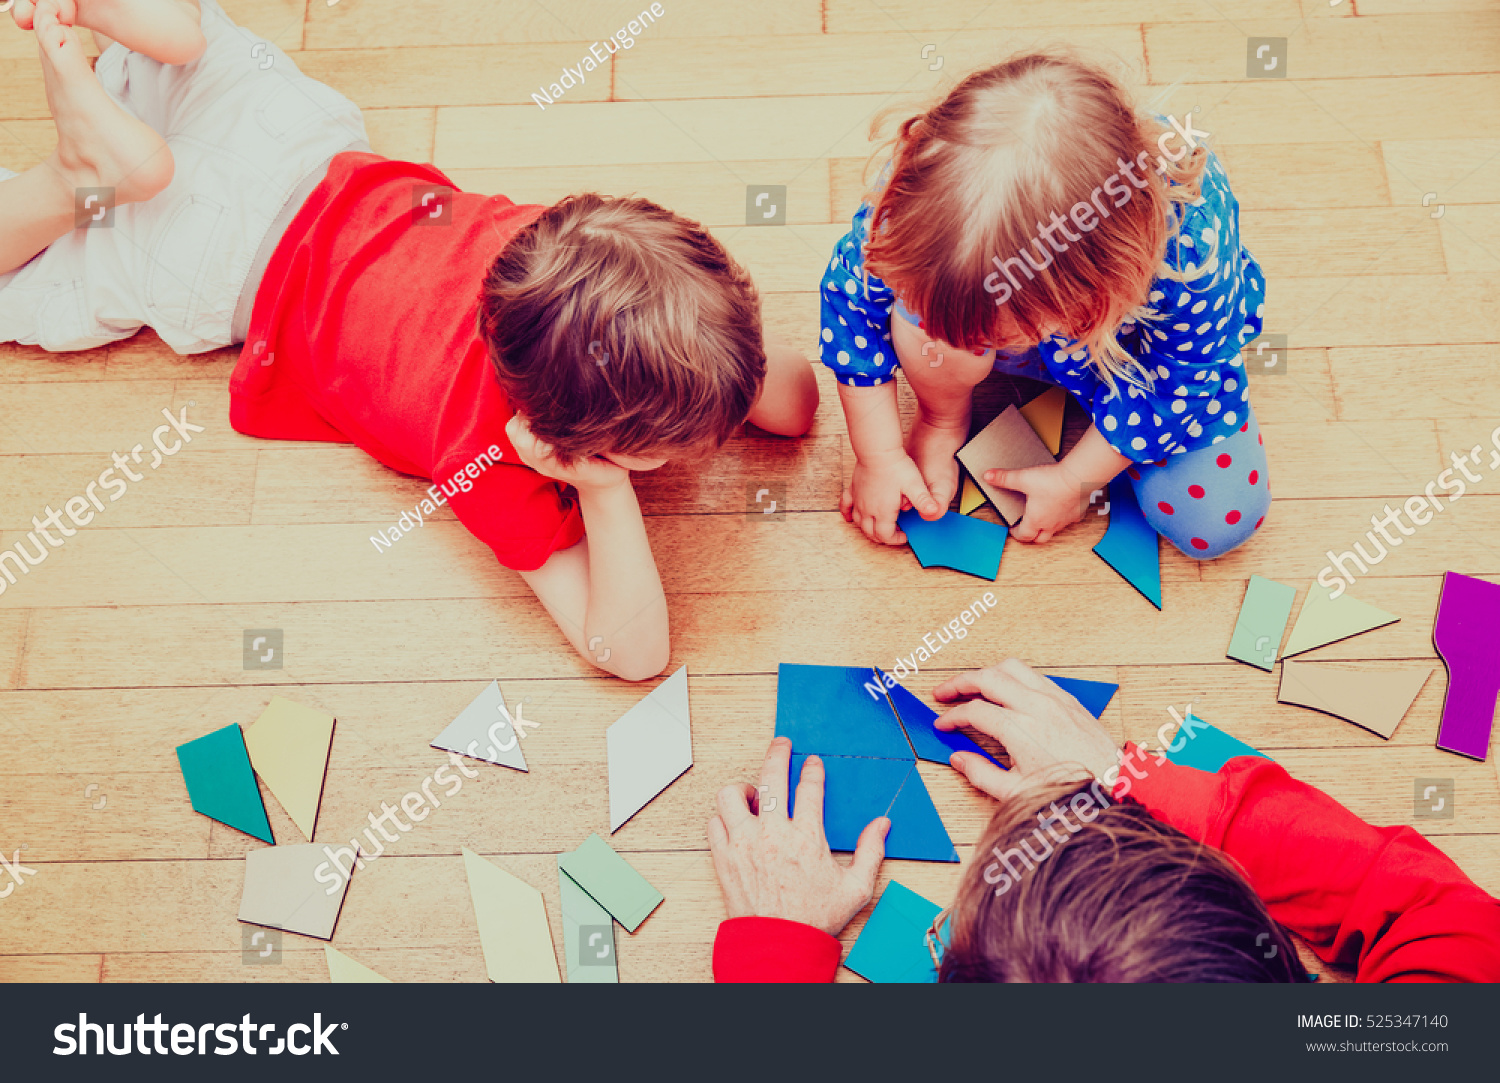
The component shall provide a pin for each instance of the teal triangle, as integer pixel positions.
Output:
(221, 784)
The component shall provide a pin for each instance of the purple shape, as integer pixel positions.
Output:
(1467, 635)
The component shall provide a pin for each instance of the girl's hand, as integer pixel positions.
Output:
(879, 490)
(1043, 728)
(1054, 499)
(583, 474)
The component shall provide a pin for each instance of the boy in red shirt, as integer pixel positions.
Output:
(1162, 873)
(523, 358)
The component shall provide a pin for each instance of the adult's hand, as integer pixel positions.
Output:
(770, 865)
(1045, 729)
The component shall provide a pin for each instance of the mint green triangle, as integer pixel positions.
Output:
(221, 784)
(1325, 619)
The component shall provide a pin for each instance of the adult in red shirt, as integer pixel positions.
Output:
(1162, 872)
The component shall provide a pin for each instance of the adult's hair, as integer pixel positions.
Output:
(617, 326)
(1071, 887)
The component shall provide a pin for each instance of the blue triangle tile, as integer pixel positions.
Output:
(917, 831)
(856, 790)
(1094, 695)
(1206, 747)
(929, 742)
(832, 711)
(1130, 546)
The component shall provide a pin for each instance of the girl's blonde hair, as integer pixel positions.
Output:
(1032, 168)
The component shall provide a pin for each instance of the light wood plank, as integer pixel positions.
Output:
(712, 193)
(1381, 310)
(1372, 383)
(582, 22)
(915, 16)
(1452, 170)
(403, 134)
(453, 74)
(1393, 45)
(1471, 238)
(882, 62)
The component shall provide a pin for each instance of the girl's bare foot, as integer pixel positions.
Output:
(933, 449)
(99, 145)
(165, 30)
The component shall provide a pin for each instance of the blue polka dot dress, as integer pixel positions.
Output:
(1189, 343)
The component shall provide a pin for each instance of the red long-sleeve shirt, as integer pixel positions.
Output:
(1381, 899)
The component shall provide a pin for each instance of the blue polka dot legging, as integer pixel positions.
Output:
(1209, 501)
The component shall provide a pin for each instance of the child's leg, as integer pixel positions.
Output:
(99, 145)
(943, 379)
(165, 30)
(1209, 501)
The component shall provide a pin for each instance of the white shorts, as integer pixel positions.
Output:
(245, 128)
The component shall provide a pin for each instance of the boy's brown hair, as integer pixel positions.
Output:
(1120, 897)
(617, 326)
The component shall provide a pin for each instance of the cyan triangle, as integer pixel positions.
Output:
(1094, 695)
(837, 711)
(929, 742)
(1206, 747)
(221, 784)
(1130, 545)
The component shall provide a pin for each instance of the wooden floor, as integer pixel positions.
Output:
(127, 641)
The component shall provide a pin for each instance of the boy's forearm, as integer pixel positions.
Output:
(625, 628)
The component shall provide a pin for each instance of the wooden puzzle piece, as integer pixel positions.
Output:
(221, 784)
(955, 541)
(1262, 622)
(1467, 636)
(1006, 443)
(283, 890)
(892, 947)
(484, 730)
(288, 747)
(1325, 619)
(1130, 545)
(1376, 699)
(513, 929)
(649, 748)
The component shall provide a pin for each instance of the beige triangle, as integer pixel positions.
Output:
(1325, 619)
(343, 970)
(1045, 414)
(1376, 699)
(288, 748)
(970, 499)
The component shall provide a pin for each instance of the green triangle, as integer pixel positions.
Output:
(220, 783)
(1325, 619)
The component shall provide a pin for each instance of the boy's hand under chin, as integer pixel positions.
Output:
(592, 474)
(1053, 499)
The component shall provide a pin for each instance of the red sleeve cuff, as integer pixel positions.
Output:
(774, 950)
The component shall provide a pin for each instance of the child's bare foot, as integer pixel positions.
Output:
(932, 448)
(165, 30)
(99, 145)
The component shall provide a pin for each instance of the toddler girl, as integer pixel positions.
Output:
(1034, 223)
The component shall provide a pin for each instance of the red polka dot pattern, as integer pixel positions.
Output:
(1164, 506)
(1245, 427)
(1199, 543)
(1262, 519)
(1196, 492)
(1224, 461)
(1255, 477)
(1232, 518)
(1135, 475)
